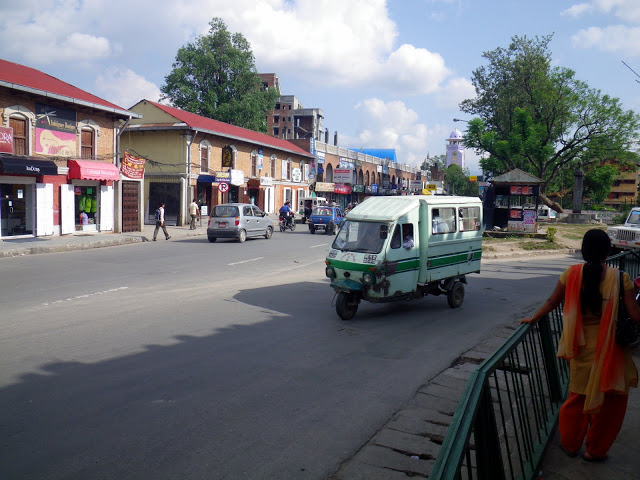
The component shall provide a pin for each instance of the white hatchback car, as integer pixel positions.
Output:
(239, 221)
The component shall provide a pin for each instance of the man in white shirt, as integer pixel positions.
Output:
(160, 223)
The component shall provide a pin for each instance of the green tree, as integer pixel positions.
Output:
(542, 119)
(458, 182)
(216, 77)
(598, 181)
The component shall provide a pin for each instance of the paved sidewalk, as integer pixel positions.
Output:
(13, 247)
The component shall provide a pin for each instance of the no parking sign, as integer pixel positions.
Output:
(223, 187)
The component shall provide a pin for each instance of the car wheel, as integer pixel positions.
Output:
(242, 236)
(268, 233)
(455, 296)
(212, 239)
(346, 305)
(312, 229)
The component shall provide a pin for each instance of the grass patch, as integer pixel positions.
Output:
(540, 246)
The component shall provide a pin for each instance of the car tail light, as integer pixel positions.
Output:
(237, 221)
(209, 222)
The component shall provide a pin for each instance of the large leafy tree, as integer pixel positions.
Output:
(458, 182)
(216, 77)
(541, 119)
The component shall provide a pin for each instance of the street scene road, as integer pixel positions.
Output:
(191, 360)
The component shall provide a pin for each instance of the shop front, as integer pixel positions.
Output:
(26, 207)
(87, 203)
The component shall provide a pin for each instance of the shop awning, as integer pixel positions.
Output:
(27, 166)
(93, 170)
(206, 179)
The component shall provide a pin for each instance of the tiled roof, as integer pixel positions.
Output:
(200, 123)
(19, 77)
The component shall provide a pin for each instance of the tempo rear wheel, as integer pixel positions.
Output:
(455, 296)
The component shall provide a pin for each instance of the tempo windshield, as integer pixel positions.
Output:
(363, 237)
(634, 218)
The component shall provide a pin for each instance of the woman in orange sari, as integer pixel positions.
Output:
(600, 371)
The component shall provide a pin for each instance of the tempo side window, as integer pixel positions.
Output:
(443, 220)
(396, 239)
(469, 218)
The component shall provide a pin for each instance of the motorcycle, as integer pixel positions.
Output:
(286, 222)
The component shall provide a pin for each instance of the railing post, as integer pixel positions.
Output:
(550, 360)
(485, 432)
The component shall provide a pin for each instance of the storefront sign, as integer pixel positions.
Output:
(357, 189)
(253, 183)
(312, 146)
(415, 184)
(237, 177)
(520, 190)
(260, 158)
(320, 156)
(266, 181)
(55, 130)
(223, 177)
(341, 188)
(346, 163)
(92, 170)
(374, 188)
(324, 187)
(132, 167)
(6, 139)
(379, 168)
(26, 166)
(296, 175)
(227, 157)
(432, 187)
(367, 189)
(342, 175)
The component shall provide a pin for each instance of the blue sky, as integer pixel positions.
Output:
(387, 74)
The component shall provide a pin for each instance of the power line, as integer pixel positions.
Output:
(631, 70)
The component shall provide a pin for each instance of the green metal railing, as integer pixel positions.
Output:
(509, 408)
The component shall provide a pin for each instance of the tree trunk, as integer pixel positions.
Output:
(554, 205)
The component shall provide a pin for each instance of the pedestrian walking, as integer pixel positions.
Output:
(194, 211)
(600, 370)
(160, 223)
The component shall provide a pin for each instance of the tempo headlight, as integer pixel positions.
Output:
(369, 278)
(330, 272)
(612, 233)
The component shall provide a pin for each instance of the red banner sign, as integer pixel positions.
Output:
(340, 188)
(6, 139)
(132, 167)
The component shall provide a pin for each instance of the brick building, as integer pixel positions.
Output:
(58, 172)
(189, 156)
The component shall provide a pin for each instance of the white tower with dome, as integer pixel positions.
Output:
(455, 149)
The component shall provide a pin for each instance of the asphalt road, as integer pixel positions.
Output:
(191, 360)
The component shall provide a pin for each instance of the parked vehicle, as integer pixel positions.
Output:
(627, 236)
(284, 222)
(546, 214)
(239, 221)
(328, 219)
(400, 248)
(307, 204)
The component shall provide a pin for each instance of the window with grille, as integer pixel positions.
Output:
(254, 164)
(19, 126)
(87, 143)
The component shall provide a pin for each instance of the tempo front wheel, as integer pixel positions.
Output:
(346, 305)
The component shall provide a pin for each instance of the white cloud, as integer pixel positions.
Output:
(125, 88)
(626, 10)
(617, 38)
(455, 91)
(577, 10)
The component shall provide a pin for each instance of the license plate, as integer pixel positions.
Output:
(222, 224)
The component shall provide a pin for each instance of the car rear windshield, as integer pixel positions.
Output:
(322, 211)
(224, 211)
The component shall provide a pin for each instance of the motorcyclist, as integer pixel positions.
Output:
(286, 212)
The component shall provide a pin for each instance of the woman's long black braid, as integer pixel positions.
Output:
(595, 250)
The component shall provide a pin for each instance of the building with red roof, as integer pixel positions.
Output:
(58, 157)
(190, 156)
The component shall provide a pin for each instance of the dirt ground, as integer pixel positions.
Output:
(568, 239)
